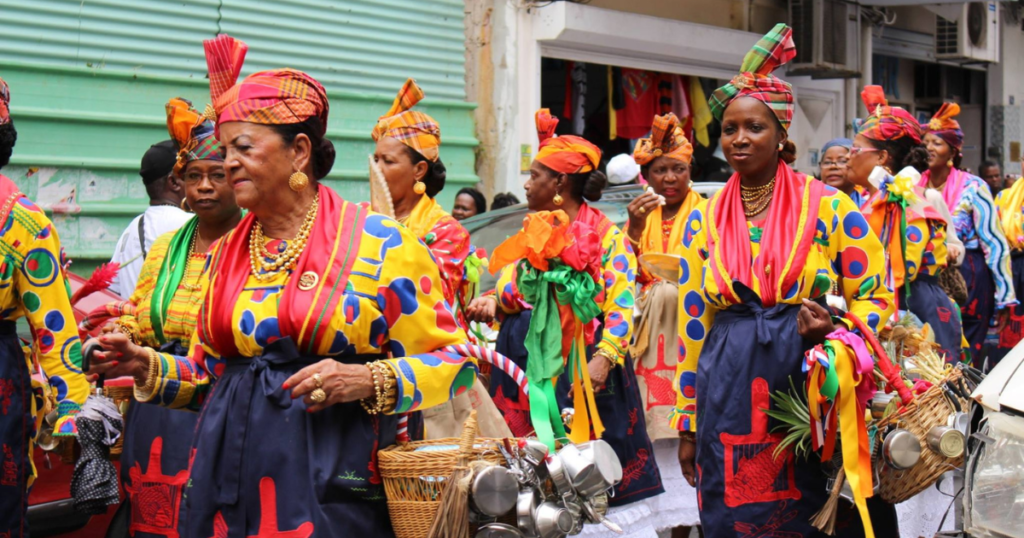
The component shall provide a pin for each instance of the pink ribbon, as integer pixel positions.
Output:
(865, 365)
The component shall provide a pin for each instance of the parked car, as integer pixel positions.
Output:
(488, 230)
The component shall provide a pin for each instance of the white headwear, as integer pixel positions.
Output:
(622, 169)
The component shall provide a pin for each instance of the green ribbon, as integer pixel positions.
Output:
(830, 387)
(902, 202)
(172, 270)
(544, 291)
(474, 265)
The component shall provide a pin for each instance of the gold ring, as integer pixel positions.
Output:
(642, 210)
(318, 396)
(318, 380)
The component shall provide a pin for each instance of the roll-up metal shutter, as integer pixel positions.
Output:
(89, 79)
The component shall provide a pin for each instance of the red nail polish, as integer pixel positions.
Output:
(114, 363)
(284, 386)
(120, 355)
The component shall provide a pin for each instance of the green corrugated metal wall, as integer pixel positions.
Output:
(89, 79)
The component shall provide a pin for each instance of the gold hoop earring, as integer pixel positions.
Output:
(298, 181)
(558, 200)
(184, 205)
(949, 163)
(419, 188)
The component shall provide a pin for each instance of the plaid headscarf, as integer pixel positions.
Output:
(193, 132)
(944, 126)
(565, 154)
(755, 80)
(410, 127)
(5, 102)
(667, 139)
(886, 122)
(275, 97)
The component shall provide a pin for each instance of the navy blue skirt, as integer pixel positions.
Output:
(264, 466)
(981, 302)
(16, 425)
(154, 463)
(618, 404)
(743, 490)
(929, 302)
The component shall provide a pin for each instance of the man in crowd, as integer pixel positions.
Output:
(993, 175)
(166, 194)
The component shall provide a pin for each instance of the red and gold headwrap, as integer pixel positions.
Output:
(193, 132)
(886, 122)
(944, 126)
(667, 140)
(564, 154)
(410, 127)
(275, 97)
(5, 102)
(755, 80)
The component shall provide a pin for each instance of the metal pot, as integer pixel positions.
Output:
(960, 422)
(901, 449)
(497, 530)
(553, 521)
(605, 460)
(526, 505)
(556, 471)
(494, 491)
(534, 449)
(581, 470)
(45, 439)
(945, 441)
(879, 404)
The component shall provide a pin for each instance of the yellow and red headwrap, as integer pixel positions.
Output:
(410, 127)
(944, 126)
(886, 122)
(667, 140)
(565, 154)
(275, 97)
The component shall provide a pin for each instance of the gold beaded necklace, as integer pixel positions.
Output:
(265, 264)
(756, 199)
(188, 265)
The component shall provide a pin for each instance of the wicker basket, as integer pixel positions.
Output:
(411, 484)
(122, 396)
(926, 411)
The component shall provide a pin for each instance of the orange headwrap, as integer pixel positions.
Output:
(946, 127)
(414, 129)
(667, 139)
(565, 154)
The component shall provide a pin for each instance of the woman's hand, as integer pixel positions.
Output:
(341, 382)
(639, 209)
(598, 367)
(687, 455)
(119, 358)
(813, 322)
(482, 310)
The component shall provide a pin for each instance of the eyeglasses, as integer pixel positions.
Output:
(856, 151)
(216, 178)
(841, 163)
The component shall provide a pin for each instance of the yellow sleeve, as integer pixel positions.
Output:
(619, 271)
(42, 286)
(695, 317)
(510, 301)
(146, 284)
(859, 260)
(421, 324)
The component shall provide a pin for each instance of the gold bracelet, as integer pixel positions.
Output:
(633, 241)
(607, 355)
(154, 371)
(365, 402)
(128, 331)
(390, 388)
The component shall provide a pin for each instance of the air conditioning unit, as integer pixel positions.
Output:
(827, 38)
(967, 32)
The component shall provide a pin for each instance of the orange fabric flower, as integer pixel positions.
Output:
(544, 236)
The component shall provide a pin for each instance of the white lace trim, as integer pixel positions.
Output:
(635, 520)
(677, 507)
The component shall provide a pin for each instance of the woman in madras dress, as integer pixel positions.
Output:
(902, 218)
(1010, 202)
(986, 264)
(755, 306)
(564, 176)
(161, 314)
(664, 160)
(306, 300)
(408, 154)
(33, 286)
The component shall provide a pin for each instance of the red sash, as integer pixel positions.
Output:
(329, 255)
(787, 239)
